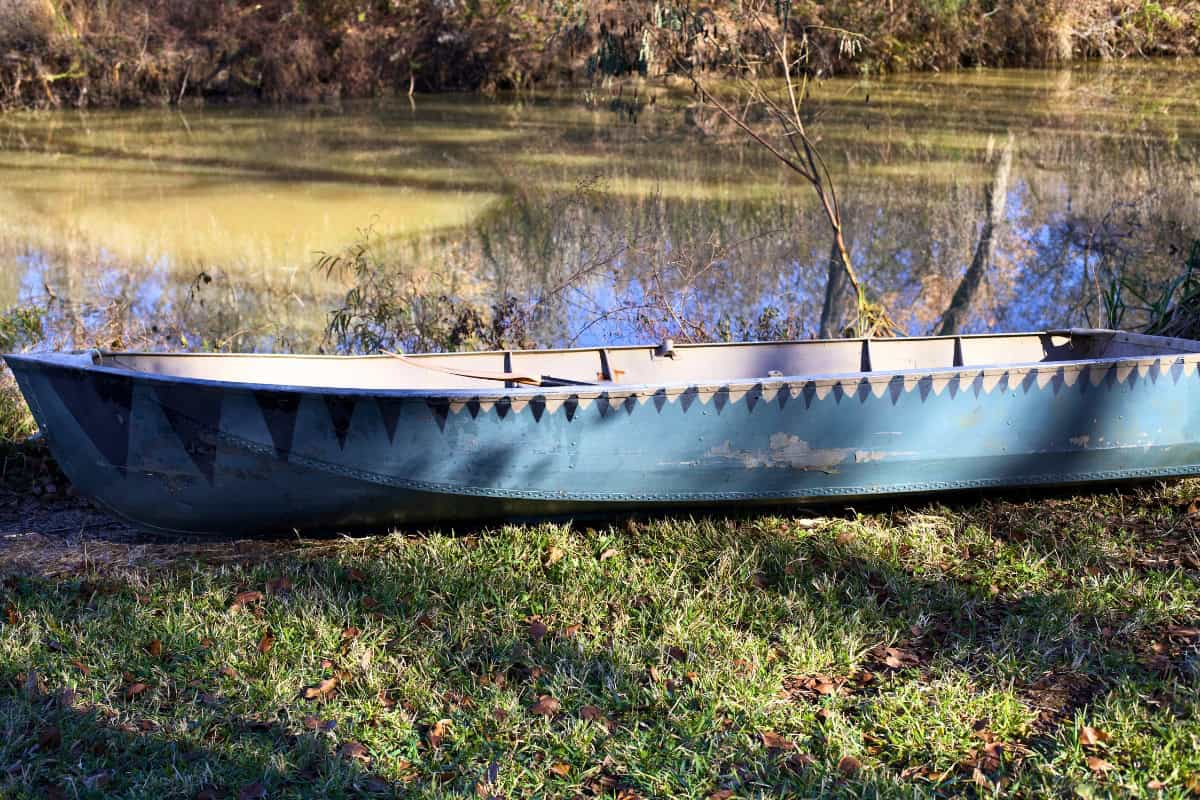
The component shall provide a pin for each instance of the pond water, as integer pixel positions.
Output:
(617, 217)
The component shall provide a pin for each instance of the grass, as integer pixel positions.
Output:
(929, 651)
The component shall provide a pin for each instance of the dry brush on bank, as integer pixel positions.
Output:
(129, 52)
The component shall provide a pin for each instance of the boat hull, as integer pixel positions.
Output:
(201, 457)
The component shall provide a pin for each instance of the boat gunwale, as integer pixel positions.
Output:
(647, 390)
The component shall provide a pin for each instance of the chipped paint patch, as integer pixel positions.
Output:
(869, 456)
(787, 452)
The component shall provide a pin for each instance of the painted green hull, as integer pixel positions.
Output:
(207, 456)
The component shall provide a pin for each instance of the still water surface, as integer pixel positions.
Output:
(619, 224)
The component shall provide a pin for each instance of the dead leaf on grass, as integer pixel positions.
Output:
(537, 630)
(554, 554)
(154, 648)
(438, 733)
(266, 643)
(899, 658)
(773, 741)
(799, 762)
(591, 713)
(135, 689)
(314, 723)
(1092, 737)
(243, 599)
(849, 766)
(720, 794)
(322, 690)
(609, 553)
(1099, 765)
(561, 768)
(546, 706)
(991, 757)
(355, 751)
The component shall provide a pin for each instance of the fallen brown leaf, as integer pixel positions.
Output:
(561, 768)
(438, 732)
(591, 713)
(676, 653)
(571, 631)
(992, 756)
(720, 794)
(154, 648)
(1092, 737)
(554, 554)
(355, 751)
(743, 667)
(135, 689)
(1155, 785)
(537, 631)
(242, 599)
(79, 665)
(798, 762)
(356, 575)
(546, 706)
(323, 689)
(898, 658)
(773, 741)
(607, 554)
(350, 633)
(266, 643)
(1097, 764)
(849, 766)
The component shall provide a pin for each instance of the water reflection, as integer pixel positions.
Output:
(618, 229)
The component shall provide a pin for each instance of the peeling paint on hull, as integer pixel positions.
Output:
(209, 456)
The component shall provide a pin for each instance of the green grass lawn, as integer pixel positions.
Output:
(1025, 647)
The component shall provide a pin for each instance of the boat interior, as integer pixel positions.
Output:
(664, 363)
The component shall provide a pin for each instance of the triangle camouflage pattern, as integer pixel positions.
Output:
(101, 404)
(195, 416)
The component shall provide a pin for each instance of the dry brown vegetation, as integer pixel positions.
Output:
(123, 52)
